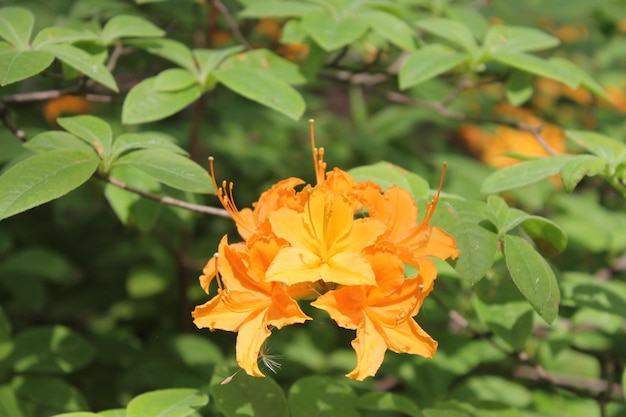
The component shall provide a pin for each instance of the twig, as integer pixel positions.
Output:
(7, 121)
(536, 132)
(437, 107)
(198, 208)
(231, 24)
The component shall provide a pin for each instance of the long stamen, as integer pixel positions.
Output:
(225, 195)
(430, 207)
(318, 155)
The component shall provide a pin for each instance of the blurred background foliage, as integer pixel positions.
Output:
(95, 302)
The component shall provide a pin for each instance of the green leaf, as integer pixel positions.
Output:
(518, 89)
(250, 396)
(77, 414)
(612, 150)
(46, 394)
(451, 30)
(588, 291)
(395, 30)
(144, 103)
(50, 35)
(117, 412)
(209, 59)
(9, 403)
(54, 349)
(581, 166)
(278, 9)
(16, 26)
(517, 39)
(548, 236)
(503, 309)
(175, 402)
(471, 17)
(146, 282)
(386, 174)
(53, 140)
(479, 245)
(145, 140)
(524, 173)
(427, 63)
(503, 217)
(267, 62)
(171, 169)
(169, 49)
(331, 32)
(83, 62)
(388, 401)
(126, 26)
(40, 263)
(533, 276)
(43, 178)
(322, 396)
(264, 88)
(174, 79)
(535, 65)
(584, 79)
(93, 130)
(132, 209)
(19, 65)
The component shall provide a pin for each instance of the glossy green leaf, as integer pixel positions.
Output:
(533, 277)
(144, 103)
(451, 30)
(504, 310)
(322, 396)
(42, 178)
(535, 65)
(386, 174)
(264, 88)
(55, 349)
(390, 402)
(16, 26)
(393, 29)
(19, 65)
(45, 395)
(175, 402)
(518, 89)
(50, 35)
(83, 62)
(612, 150)
(169, 49)
(267, 62)
(174, 79)
(426, 63)
(524, 173)
(278, 9)
(126, 26)
(93, 130)
(145, 140)
(548, 236)
(466, 221)
(331, 32)
(250, 396)
(9, 403)
(169, 168)
(517, 39)
(209, 59)
(503, 217)
(53, 140)
(581, 166)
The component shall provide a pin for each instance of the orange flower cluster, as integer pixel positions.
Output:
(342, 242)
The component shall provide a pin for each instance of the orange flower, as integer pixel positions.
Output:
(326, 243)
(246, 306)
(382, 321)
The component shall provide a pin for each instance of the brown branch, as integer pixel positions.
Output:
(8, 122)
(198, 208)
(536, 132)
(231, 24)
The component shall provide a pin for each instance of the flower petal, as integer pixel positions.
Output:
(370, 350)
(250, 339)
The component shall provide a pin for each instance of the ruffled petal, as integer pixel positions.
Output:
(252, 334)
(214, 314)
(409, 337)
(370, 350)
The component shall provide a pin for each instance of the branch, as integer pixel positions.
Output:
(7, 121)
(198, 208)
(231, 24)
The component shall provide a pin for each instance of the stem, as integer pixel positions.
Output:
(231, 24)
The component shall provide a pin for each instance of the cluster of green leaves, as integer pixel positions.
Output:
(97, 281)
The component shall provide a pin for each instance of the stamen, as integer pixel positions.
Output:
(318, 155)
(430, 207)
